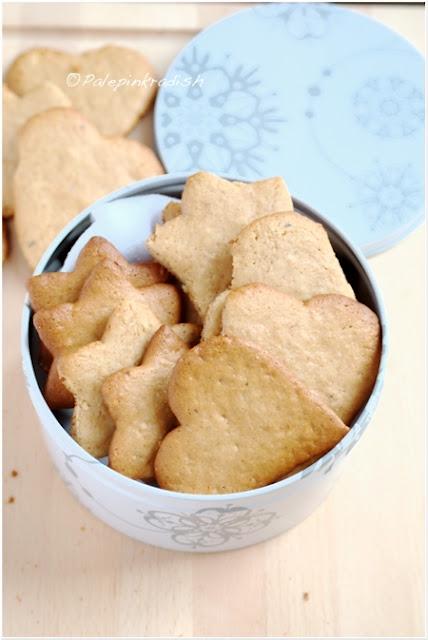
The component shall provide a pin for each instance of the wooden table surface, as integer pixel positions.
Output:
(359, 557)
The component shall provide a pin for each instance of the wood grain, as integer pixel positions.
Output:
(359, 557)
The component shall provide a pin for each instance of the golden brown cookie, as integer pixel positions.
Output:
(194, 246)
(64, 166)
(16, 111)
(48, 290)
(83, 371)
(289, 252)
(114, 111)
(71, 325)
(244, 421)
(137, 401)
(330, 343)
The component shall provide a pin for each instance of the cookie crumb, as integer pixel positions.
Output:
(305, 596)
(11, 500)
(82, 528)
(14, 473)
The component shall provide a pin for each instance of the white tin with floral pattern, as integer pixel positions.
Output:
(185, 522)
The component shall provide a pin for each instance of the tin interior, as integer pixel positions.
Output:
(353, 268)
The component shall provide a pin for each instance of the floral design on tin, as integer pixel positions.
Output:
(389, 194)
(302, 21)
(223, 121)
(389, 107)
(210, 527)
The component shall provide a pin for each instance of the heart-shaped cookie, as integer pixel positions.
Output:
(16, 111)
(244, 421)
(65, 165)
(331, 343)
(91, 81)
(289, 252)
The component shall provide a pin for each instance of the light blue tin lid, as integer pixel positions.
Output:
(324, 96)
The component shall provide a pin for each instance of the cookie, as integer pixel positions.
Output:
(194, 246)
(137, 401)
(161, 300)
(71, 325)
(172, 210)
(88, 81)
(64, 166)
(83, 371)
(56, 395)
(244, 420)
(48, 290)
(289, 252)
(212, 323)
(331, 343)
(16, 112)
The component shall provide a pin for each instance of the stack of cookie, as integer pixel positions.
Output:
(63, 136)
(286, 356)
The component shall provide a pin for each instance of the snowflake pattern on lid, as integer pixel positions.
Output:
(301, 20)
(389, 107)
(223, 119)
(389, 193)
